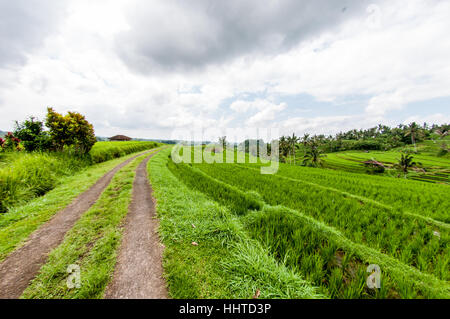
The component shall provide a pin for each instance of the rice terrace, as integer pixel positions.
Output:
(225, 165)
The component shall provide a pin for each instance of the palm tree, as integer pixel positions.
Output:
(414, 131)
(223, 142)
(305, 139)
(292, 140)
(443, 132)
(313, 154)
(284, 146)
(405, 162)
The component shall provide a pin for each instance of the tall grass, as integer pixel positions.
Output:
(404, 237)
(24, 176)
(32, 175)
(334, 264)
(105, 151)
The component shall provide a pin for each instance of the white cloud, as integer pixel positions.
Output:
(266, 115)
(76, 66)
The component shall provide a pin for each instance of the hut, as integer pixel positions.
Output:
(120, 138)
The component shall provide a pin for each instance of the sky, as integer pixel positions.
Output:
(148, 68)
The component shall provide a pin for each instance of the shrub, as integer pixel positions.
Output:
(72, 130)
(31, 133)
(11, 143)
(374, 167)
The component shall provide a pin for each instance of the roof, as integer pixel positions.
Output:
(373, 162)
(120, 138)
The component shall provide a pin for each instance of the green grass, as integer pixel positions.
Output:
(104, 151)
(91, 244)
(226, 263)
(429, 200)
(306, 246)
(25, 176)
(19, 222)
(432, 169)
(334, 263)
(402, 236)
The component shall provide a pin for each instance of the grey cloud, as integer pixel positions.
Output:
(177, 35)
(24, 24)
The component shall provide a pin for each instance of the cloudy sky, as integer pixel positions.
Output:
(145, 68)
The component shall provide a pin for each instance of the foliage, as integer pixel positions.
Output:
(10, 143)
(72, 130)
(374, 167)
(313, 155)
(405, 162)
(402, 236)
(31, 133)
(330, 261)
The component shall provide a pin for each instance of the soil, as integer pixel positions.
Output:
(139, 272)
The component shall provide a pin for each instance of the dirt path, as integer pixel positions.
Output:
(22, 265)
(138, 272)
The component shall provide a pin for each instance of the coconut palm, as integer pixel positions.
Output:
(313, 155)
(284, 146)
(414, 131)
(443, 132)
(405, 162)
(292, 140)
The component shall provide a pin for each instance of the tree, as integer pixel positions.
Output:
(305, 139)
(31, 133)
(292, 141)
(313, 155)
(223, 142)
(72, 130)
(284, 147)
(442, 133)
(405, 162)
(82, 132)
(414, 131)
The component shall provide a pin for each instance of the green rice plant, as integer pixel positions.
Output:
(429, 200)
(239, 201)
(374, 225)
(332, 262)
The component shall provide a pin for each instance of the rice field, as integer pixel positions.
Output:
(328, 226)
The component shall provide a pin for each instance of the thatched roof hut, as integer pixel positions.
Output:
(120, 138)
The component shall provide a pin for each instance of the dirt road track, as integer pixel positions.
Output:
(138, 272)
(22, 265)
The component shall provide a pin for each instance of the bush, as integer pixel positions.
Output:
(374, 167)
(72, 131)
(32, 135)
(10, 143)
